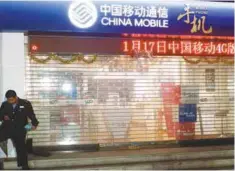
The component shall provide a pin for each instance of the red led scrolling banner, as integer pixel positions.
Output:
(180, 47)
(169, 46)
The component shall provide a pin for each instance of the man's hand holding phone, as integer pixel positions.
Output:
(30, 127)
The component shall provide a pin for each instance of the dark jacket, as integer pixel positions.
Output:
(18, 116)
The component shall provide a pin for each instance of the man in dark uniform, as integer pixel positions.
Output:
(14, 114)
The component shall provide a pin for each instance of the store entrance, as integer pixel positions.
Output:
(115, 98)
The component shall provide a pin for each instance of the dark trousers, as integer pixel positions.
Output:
(18, 138)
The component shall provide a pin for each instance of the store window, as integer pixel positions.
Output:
(115, 98)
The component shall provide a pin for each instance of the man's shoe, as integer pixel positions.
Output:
(1, 164)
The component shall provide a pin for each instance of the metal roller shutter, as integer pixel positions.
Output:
(121, 99)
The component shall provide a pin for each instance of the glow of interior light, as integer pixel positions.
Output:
(67, 141)
(141, 58)
(45, 80)
(72, 123)
(86, 57)
(67, 87)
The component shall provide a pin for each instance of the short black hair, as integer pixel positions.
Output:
(10, 93)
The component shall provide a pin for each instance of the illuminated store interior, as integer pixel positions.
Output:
(115, 96)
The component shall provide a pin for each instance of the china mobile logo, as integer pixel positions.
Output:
(82, 14)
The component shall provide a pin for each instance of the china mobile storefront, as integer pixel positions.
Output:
(121, 72)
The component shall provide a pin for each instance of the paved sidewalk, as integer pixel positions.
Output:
(72, 154)
(183, 157)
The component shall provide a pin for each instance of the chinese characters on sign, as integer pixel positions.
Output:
(134, 15)
(189, 94)
(180, 47)
(198, 23)
(187, 113)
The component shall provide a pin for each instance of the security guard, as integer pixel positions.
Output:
(14, 114)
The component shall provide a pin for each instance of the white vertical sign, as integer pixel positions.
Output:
(189, 94)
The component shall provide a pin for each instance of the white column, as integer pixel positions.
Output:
(12, 64)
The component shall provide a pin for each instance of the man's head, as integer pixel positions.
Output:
(11, 96)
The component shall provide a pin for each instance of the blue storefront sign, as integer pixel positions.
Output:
(154, 17)
(187, 113)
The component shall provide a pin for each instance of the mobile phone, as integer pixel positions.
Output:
(28, 127)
